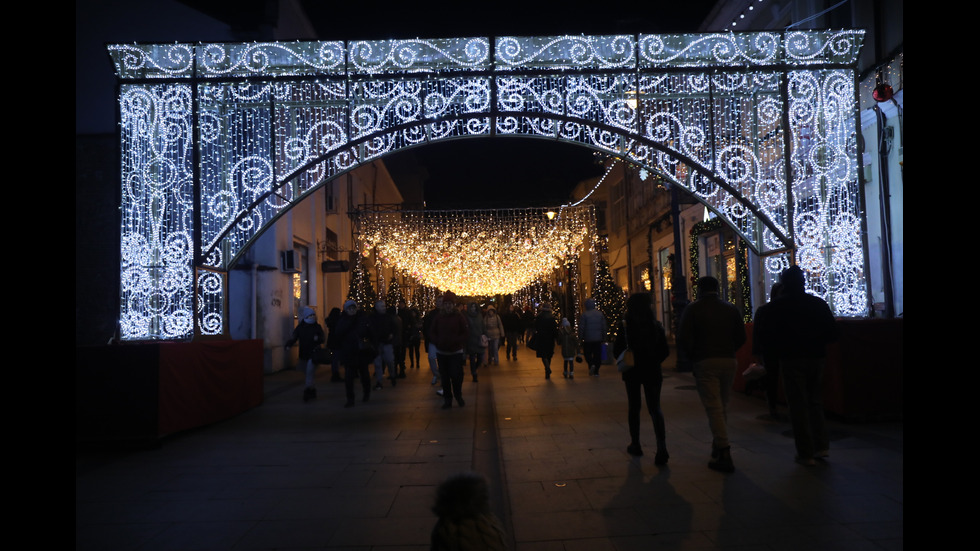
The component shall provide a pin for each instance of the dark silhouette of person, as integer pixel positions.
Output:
(771, 378)
(642, 333)
(711, 332)
(796, 329)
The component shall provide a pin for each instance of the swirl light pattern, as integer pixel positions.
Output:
(477, 253)
(565, 52)
(419, 56)
(827, 214)
(758, 126)
(157, 212)
(210, 301)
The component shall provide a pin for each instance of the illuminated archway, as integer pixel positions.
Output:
(220, 139)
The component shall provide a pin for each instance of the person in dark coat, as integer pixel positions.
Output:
(449, 333)
(412, 339)
(769, 362)
(642, 333)
(356, 349)
(475, 347)
(796, 331)
(387, 332)
(592, 330)
(513, 329)
(430, 347)
(545, 337)
(569, 348)
(310, 336)
(527, 318)
(711, 332)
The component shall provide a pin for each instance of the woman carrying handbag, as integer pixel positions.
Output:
(644, 336)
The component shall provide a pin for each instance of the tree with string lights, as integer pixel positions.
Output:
(609, 298)
(361, 289)
(394, 293)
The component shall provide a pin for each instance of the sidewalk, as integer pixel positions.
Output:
(289, 475)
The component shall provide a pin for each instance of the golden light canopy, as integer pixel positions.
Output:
(477, 252)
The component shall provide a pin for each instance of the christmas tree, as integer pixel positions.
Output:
(609, 298)
(361, 289)
(394, 294)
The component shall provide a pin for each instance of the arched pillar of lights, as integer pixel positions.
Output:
(218, 140)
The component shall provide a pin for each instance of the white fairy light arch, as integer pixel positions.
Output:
(220, 139)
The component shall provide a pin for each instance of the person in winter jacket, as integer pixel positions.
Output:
(310, 336)
(569, 348)
(448, 333)
(494, 327)
(710, 333)
(592, 330)
(513, 330)
(545, 337)
(356, 349)
(476, 344)
(387, 333)
(644, 336)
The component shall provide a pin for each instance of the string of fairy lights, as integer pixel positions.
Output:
(478, 252)
(252, 128)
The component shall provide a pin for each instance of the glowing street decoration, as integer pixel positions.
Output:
(219, 139)
(477, 253)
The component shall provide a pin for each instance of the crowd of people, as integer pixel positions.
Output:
(790, 337)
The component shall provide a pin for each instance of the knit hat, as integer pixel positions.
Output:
(449, 297)
(589, 303)
(349, 303)
(306, 312)
(565, 322)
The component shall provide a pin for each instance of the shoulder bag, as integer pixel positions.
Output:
(624, 362)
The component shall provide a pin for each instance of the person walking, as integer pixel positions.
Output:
(413, 337)
(545, 337)
(513, 329)
(356, 350)
(527, 319)
(310, 336)
(768, 361)
(385, 328)
(569, 348)
(644, 336)
(401, 346)
(796, 330)
(592, 331)
(494, 327)
(476, 343)
(449, 333)
(711, 332)
(430, 347)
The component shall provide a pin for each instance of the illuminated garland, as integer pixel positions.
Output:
(477, 253)
(219, 139)
(741, 264)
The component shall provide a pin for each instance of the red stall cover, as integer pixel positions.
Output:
(206, 382)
